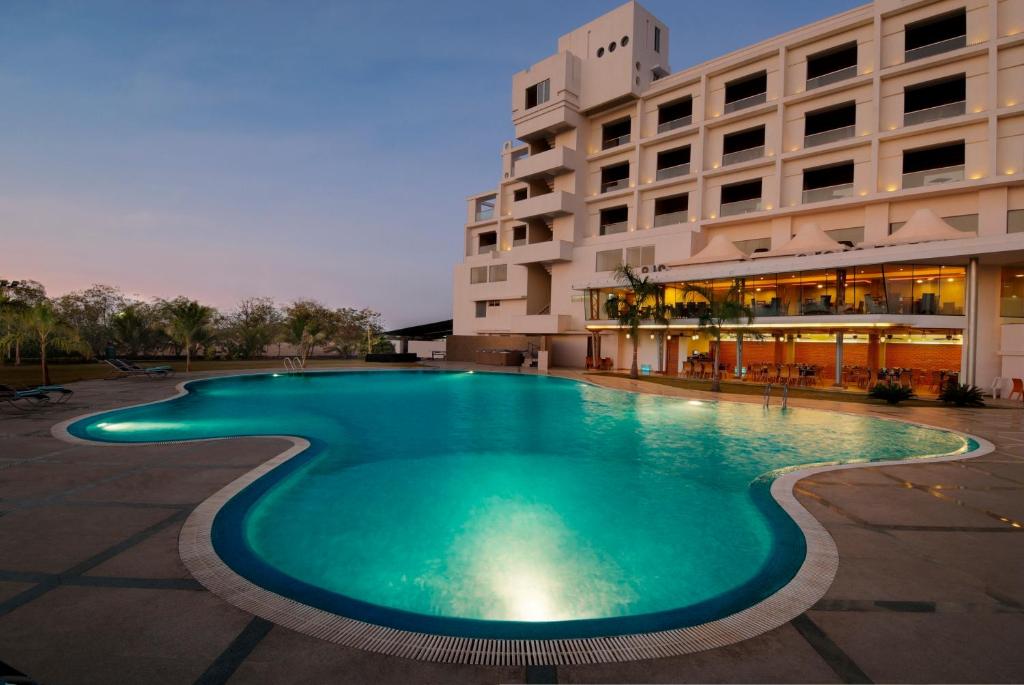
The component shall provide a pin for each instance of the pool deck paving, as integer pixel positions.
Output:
(930, 586)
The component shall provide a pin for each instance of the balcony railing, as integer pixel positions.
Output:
(671, 218)
(519, 242)
(743, 155)
(954, 43)
(737, 105)
(618, 227)
(485, 249)
(949, 174)
(830, 136)
(484, 215)
(609, 143)
(832, 77)
(920, 116)
(741, 207)
(828, 193)
(675, 123)
(672, 171)
(609, 186)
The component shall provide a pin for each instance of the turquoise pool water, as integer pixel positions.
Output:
(499, 505)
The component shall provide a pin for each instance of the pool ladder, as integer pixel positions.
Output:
(768, 396)
(294, 365)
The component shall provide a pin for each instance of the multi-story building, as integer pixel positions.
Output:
(860, 178)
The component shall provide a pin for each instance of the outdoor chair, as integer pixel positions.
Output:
(1018, 389)
(28, 399)
(127, 369)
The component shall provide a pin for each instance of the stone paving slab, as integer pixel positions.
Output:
(155, 557)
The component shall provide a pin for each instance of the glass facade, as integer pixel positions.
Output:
(910, 289)
(1011, 292)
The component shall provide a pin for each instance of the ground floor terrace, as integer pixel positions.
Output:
(92, 589)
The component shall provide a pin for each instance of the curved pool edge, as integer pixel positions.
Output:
(811, 582)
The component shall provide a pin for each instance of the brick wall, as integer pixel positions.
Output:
(927, 357)
(906, 355)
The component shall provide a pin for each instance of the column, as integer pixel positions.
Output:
(739, 355)
(838, 380)
(779, 353)
(873, 356)
(968, 365)
(790, 349)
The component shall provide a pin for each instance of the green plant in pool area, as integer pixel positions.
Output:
(961, 395)
(891, 393)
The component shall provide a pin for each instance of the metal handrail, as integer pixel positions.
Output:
(831, 77)
(671, 218)
(936, 48)
(672, 171)
(948, 174)
(949, 109)
(609, 143)
(825, 193)
(740, 207)
(748, 101)
(743, 155)
(830, 136)
(618, 184)
(675, 123)
(617, 227)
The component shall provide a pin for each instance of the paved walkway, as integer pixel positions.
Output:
(930, 585)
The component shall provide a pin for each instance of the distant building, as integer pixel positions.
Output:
(860, 178)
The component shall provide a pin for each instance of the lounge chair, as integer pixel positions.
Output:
(63, 394)
(27, 398)
(126, 369)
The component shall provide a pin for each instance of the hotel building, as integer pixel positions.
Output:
(860, 178)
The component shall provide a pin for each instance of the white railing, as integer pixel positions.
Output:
(672, 171)
(920, 116)
(484, 249)
(608, 143)
(954, 43)
(519, 243)
(740, 207)
(609, 186)
(828, 193)
(832, 77)
(484, 215)
(294, 364)
(671, 218)
(736, 105)
(949, 174)
(675, 123)
(618, 227)
(743, 155)
(830, 136)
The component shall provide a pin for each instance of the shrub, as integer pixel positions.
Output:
(892, 394)
(961, 395)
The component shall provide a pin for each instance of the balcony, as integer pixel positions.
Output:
(672, 171)
(609, 143)
(557, 203)
(541, 324)
(741, 207)
(484, 214)
(736, 105)
(618, 184)
(919, 179)
(823, 137)
(675, 123)
(950, 109)
(832, 77)
(610, 229)
(954, 43)
(671, 218)
(827, 193)
(743, 155)
(542, 253)
(548, 163)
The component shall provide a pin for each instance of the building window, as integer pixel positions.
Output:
(615, 133)
(935, 35)
(673, 163)
(538, 94)
(675, 114)
(743, 146)
(935, 164)
(746, 92)
(752, 245)
(832, 65)
(830, 124)
(934, 100)
(615, 177)
(481, 309)
(518, 236)
(608, 260)
(485, 208)
(637, 257)
(830, 182)
(497, 273)
(968, 223)
(487, 242)
(657, 39)
(1015, 221)
(671, 210)
(519, 194)
(1011, 299)
(847, 236)
(478, 274)
(740, 198)
(614, 220)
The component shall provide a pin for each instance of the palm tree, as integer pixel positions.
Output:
(720, 312)
(188, 322)
(648, 304)
(41, 323)
(15, 332)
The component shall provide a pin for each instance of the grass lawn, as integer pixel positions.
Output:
(741, 388)
(30, 374)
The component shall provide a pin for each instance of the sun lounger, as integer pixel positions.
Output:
(22, 399)
(126, 369)
(63, 394)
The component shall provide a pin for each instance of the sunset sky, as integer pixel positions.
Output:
(287, 149)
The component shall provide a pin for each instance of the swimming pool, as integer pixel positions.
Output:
(503, 506)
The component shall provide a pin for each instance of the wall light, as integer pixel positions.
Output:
(891, 187)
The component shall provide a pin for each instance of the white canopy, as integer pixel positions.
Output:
(923, 226)
(810, 239)
(718, 249)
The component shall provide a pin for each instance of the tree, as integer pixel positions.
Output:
(249, 329)
(188, 322)
(137, 328)
(46, 328)
(16, 298)
(721, 311)
(91, 312)
(360, 332)
(308, 325)
(647, 300)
